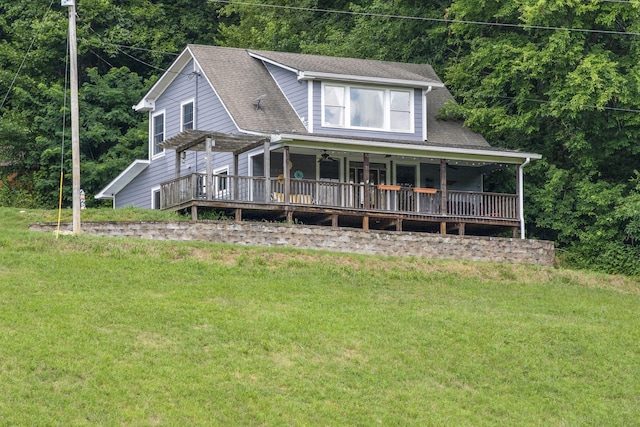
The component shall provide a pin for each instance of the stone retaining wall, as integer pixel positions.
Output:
(372, 242)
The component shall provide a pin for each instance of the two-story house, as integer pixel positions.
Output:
(319, 139)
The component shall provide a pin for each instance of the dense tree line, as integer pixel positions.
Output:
(569, 94)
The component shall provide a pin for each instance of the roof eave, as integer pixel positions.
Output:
(312, 75)
(271, 61)
(122, 180)
(147, 103)
(385, 147)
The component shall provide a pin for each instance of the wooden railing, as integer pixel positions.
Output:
(332, 194)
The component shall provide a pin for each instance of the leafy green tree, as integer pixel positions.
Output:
(570, 95)
(122, 47)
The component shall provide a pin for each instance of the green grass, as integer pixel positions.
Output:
(99, 331)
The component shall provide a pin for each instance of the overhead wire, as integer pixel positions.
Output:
(24, 58)
(446, 20)
(423, 18)
(583, 107)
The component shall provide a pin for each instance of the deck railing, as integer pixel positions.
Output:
(333, 194)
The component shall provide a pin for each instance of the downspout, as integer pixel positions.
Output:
(521, 195)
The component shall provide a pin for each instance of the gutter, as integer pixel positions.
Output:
(312, 75)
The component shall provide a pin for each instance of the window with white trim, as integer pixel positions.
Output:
(187, 117)
(155, 198)
(157, 132)
(372, 108)
(221, 181)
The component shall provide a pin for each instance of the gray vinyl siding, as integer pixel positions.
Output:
(318, 128)
(210, 114)
(138, 192)
(293, 89)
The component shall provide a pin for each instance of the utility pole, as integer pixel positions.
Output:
(75, 115)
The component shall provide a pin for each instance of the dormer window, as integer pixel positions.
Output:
(371, 108)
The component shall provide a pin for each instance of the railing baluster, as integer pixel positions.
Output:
(337, 194)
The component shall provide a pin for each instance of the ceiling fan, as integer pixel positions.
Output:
(325, 157)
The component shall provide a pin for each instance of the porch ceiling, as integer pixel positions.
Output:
(406, 148)
(194, 140)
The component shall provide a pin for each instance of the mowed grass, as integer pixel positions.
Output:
(99, 331)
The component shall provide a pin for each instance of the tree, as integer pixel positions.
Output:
(570, 95)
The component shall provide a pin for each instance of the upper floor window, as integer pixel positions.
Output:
(157, 129)
(187, 116)
(367, 108)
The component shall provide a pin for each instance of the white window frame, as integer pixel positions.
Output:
(152, 135)
(154, 190)
(193, 112)
(387, 108)
(216, 181)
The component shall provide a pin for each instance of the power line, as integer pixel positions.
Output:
(442, 20)
(584, 107)
(137, 48)
(119, 49)
(24, 58)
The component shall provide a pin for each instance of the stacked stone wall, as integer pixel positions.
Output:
(373, 242)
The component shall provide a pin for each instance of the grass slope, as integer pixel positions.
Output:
(98, 331)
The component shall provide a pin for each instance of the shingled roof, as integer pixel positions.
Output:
(352, 66)
(239, 80)
(239, 76)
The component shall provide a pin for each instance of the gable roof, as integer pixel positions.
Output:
(239, 77)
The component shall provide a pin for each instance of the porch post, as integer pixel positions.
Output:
(209, 142)
(287, 173)
(443, 186)
(443, 191)
(178, 153)
(365, 172)
(267, 172)
(520, 178)
(235, 195)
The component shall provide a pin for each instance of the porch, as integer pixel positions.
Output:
(360, 205)
(364, 183)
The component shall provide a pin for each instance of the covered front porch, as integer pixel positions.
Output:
(348, 183)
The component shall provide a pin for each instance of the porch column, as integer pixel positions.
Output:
(178, 153)
(520, 182)
(236, 174)
(365, 172)
(287, 174)
(443, 191)
(443, 186)
(267, 172)
(209, 142)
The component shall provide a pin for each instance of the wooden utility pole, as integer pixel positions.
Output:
(75, 115)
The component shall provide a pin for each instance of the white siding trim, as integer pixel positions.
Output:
(310, 107)
(424, 114)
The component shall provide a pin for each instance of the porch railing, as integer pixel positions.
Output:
(333, 194)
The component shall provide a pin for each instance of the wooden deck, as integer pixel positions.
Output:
(345, 204)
